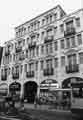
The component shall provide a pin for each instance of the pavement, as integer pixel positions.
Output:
(44, 107)
(41, 112)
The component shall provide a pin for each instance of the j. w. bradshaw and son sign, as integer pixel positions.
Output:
(49, 84)
(15, 87)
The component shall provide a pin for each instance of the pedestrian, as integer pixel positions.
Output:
(22, 103)
(35, 101)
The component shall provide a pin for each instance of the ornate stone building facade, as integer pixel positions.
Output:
(47, 53)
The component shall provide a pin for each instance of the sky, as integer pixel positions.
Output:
(16, 12)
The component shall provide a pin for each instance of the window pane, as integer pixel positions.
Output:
(81, 58)
(36, 67)
(79, 39)
(42, 49)
(21, 69)
(68, 43)
(51, 50)
(25, 67)
(42, 64)
(62, 60)
(56, 45)
(61, 28)
(62, 44)
(56, 62)
(73, 41)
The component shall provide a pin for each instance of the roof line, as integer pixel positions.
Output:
(40, 15)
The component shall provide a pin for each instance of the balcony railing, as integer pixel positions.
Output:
(72, 68)
(18, 49)
(70, 31)
(30, 74)
(48, 72)
(4, 77)
(48, 39)
(32, 45)
(15, 75)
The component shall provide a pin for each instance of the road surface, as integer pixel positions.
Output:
(31, 114)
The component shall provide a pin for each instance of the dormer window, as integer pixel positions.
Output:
(69, 24)
(49, 32)
(28, 28)
(55, 16)
(78, 22)
(50, 18)
(43, 21)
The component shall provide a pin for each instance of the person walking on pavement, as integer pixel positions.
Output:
(22, 103)
(36, 101)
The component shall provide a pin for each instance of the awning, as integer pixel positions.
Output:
(3, 88)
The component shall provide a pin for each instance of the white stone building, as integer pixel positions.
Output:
(47, 53)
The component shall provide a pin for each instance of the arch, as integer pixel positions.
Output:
(47, 81)
(15, 86)
(66, 83)
(30, 91)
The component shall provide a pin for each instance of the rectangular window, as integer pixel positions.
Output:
(72, 59)
(50, 18)
(79, 39)
(25, 67)
(62, 44)
(69, 25)
(37, 50)
(47, 51)
(43, 21)
(51, 48)
(28, 28)
(36, 65)
(31, 66)
(23, 42)
(42, 35)
(68, 42)
(73, 41)
(55, 16)
(56, 45)
(62, 28)
(33, 52)
(13, 57)
(49, 63)
(21, 68)
(63, 61)
(78, 22)
(56, 62)
(27, 40)
(42, 64)
(49, 32)
(42, 49)
(55, 30)
(26, 53)
(81, 58)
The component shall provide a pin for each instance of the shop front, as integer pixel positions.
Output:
(46, 89)
(15, 90)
